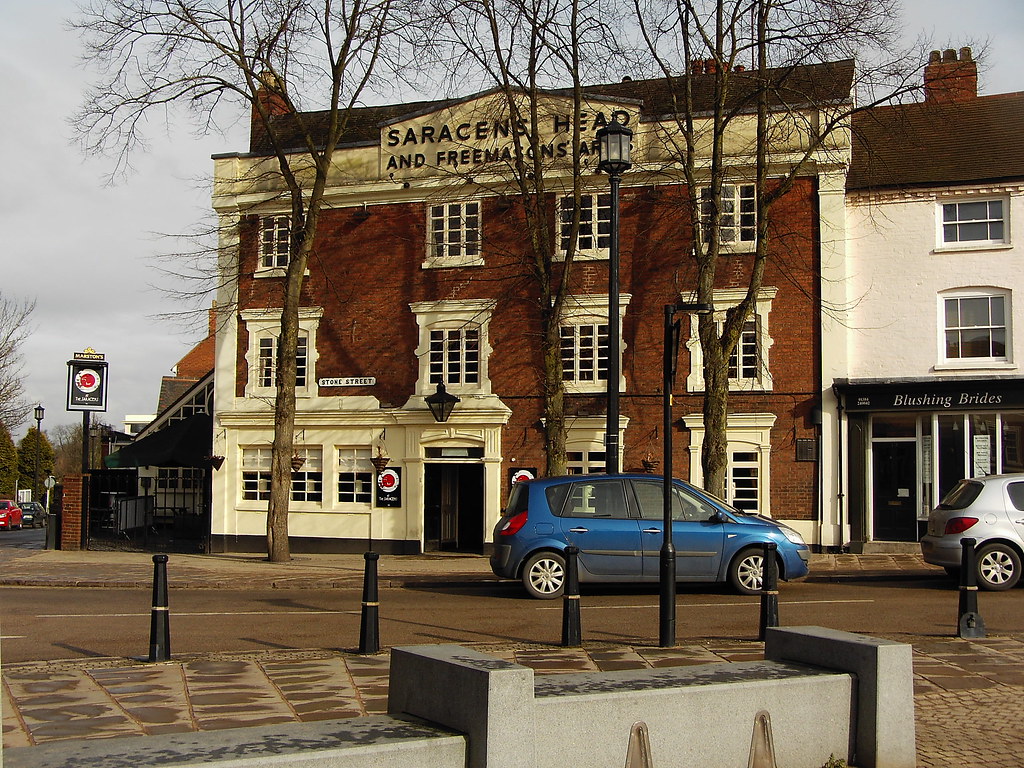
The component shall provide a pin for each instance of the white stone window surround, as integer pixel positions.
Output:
(739, 236)
(595, 225)
(451, 314)
(274, 243)
(979, 196)
(592, 309)
(724, 299)
(266, 323)
(974, 363)
(471, 235)
(745, 433)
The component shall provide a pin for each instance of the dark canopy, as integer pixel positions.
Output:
(186, 443)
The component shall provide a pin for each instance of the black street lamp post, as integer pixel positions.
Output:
(613, 142)
(38, 413)
(667, 599)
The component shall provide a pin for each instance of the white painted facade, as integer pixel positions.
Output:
(884, 330)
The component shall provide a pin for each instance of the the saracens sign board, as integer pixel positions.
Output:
(389, 488)
(87, 381)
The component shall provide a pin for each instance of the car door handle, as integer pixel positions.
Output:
(579, 530)
(651, 530)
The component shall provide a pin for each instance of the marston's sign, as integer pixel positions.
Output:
(87, 381)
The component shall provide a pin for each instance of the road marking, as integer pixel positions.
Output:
(13, 637)
(183, 613)
(752, 604)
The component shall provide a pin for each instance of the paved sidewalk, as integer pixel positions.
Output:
(969, 695)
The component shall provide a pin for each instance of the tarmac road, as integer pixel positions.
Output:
(66, 623)
(969, 695)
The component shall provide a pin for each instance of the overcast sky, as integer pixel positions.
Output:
(86, 253)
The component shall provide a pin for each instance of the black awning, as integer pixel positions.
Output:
(186, 443)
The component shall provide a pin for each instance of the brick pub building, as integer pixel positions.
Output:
(421, 274)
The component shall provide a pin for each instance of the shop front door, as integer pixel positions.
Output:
(453, 515)
(894, 492)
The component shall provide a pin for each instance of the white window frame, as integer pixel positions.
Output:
(588, 243)
(941, 224)
(354, 460)
(266, 324)
(446, 316)
(584, 435)
(307, 482)
(592, 309)
(255, 460)
(723, 300)
(952, 363)
(741, 234)
(275, 233)
(745, 433)
(469, 238)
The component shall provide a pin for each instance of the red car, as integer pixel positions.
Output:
(10, 514)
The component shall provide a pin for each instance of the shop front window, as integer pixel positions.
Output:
(983, 444)
(1013, 442)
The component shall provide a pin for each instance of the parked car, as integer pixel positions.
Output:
(10, 514)
(33, 514)
(989, 510)
(616, 521)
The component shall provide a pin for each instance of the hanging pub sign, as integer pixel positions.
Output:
(519, 474)
(87, 381)
(389, 488)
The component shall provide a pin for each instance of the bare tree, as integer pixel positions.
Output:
(741, 79)
(217, 56)
(526, 52)
(15, 328)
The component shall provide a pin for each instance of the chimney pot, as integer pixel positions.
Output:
(948, 79)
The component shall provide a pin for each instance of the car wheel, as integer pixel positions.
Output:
(745, 571)
(544, 575)
(998, 567)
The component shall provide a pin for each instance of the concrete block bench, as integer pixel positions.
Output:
(361, 742)
(824, 692)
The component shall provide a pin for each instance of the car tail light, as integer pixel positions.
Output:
(959, 524)
(514, 524)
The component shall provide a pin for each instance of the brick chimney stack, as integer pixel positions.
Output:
(271, 96)
(949, 79)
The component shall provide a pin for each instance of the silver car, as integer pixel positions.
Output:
(989, 510)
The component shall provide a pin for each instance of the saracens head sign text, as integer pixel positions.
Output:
(87, 381)
(476, 136)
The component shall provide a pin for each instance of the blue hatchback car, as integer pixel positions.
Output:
(616, 521)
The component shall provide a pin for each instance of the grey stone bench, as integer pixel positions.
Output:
(362, 742)
(825, 693)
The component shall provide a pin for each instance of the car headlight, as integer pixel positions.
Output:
(792, 535)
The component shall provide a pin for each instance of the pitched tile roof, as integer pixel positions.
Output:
(913, 145)
(810, 84)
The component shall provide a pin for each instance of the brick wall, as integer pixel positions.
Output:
(71, 514)
(366, 270)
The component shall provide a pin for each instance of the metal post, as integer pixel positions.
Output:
(667, 598)
(611, 438)
(969, 621)
(159, 624)
(369, 625)
(571, 630)
(39, 440)
(769, 589)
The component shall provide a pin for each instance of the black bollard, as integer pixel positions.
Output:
(369, 626)
(769, 589)
(969, 622)
(571, 631)
(159, 623)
